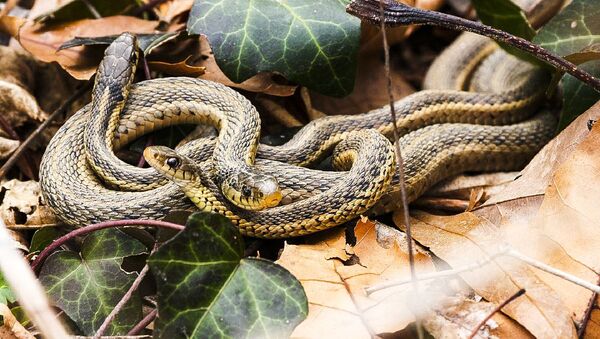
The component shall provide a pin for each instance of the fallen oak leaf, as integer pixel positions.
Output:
(338, 305)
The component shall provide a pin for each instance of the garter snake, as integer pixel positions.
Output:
(71, 189)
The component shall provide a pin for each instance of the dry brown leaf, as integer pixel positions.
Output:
(43, 42)
(463, 239)
(369, 89)
(22, 206)
(11, 328)
(170, 10)
(338, 305)
(177, 69)
(261, 82)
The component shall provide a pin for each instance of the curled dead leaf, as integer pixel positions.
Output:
(178, 69)
(22, 205)
(43, 42)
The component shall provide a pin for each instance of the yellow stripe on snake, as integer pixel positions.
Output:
(443, 134)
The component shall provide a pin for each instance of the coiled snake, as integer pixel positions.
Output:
(504, 90)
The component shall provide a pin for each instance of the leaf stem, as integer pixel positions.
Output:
(398, 14)
(96, 227)
(496, 310)
(142, 324)
(113, 313)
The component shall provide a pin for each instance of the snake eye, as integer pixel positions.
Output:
(246, 191)
(173, 162)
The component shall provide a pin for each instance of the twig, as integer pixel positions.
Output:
(142, 324)
(96, 227)
(113, 313)
(441, 274)
(146, 67)
(554, 271)
(400, 161)
(397, 14)
(496, 310)
(19, 151)
(588, 313)
(27, 288)
(92, 9)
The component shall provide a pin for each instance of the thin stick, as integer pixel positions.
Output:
(113, 313)
(92, 9)
(25, 144)
(27, 288)
(441, 274)
(549, 269)
(96, 227)
(496, 310)
(142, 324)
(397, 14)
(400, 161)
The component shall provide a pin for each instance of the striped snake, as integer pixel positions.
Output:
(446, 141)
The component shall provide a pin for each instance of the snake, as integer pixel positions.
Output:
(441, 124)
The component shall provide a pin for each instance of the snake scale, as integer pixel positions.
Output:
(443, 135)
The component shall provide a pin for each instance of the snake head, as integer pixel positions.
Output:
(172, 165)
(252, 191)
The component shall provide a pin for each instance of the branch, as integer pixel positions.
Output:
(496, 310)
(398, 14)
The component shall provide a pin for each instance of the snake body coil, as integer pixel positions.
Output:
(432, 153)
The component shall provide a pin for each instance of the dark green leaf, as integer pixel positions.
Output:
(43, 237)
(89, 284)
(78, 9)
(574, 29)
(504, 15)
(313, 43)
(146, 42)
(206, 289)
(6, 295)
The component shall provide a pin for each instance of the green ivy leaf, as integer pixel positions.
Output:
(6, 295)
(78, 9)
(313, 43)
(574, 29)
(206, 289)
(504, 15)
(88, 285)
